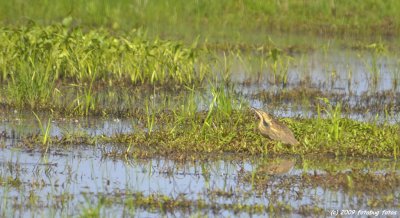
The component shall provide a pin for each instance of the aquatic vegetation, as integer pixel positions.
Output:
(237, 133)
(150, 115)
(279, 66)
(71, 70)
(85, 102)
(145, 107)
(29, 83)
(36, 59)
(44, 131)
(377, 51)
(334, 115)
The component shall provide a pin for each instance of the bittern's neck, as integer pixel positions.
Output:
(265, 123)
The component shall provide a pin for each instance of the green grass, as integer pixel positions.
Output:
(64, 68)
(103, 58)
(237, 134)
(44, 131)
(29, 82)
(38, 63)
(216, 20)
(71, 54)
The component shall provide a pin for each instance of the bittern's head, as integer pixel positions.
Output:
(271, 128)
(265, 119)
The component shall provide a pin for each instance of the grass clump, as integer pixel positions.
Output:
(237, 134)
(71, 53)
(37, 62)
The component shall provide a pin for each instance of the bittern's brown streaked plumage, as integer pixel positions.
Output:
(273, 129)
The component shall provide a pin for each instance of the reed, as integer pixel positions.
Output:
(44, 131)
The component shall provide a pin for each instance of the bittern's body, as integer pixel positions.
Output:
(275, 130)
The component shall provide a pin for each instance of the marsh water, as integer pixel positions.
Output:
(57, 181)
(75, 175)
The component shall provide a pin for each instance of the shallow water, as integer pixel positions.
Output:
(83, 172)
(340, 70)
(77, 176)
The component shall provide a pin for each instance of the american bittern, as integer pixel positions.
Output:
(273, 129)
